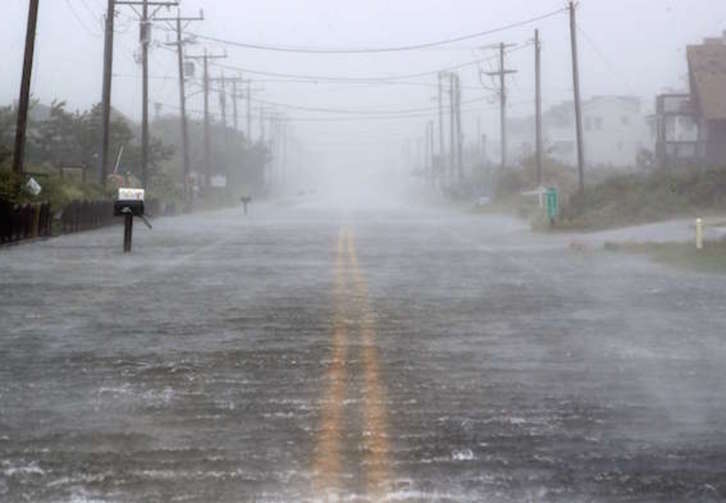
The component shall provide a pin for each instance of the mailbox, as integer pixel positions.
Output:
(129, 201)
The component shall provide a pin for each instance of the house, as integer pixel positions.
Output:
(614, 127)
(707, 78)
(691, 128)
(676, 131)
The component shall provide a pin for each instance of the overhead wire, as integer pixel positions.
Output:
(80, 21)
(348, 111)
(361, 118)
(372, 50)
(364, 79)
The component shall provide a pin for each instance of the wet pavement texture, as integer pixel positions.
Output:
(393, 355)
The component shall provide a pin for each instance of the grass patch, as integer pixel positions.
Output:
(632, 199)
(711, 259)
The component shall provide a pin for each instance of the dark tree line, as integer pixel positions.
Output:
(63, 137)
(57, 136)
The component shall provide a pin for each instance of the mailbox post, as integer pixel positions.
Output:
(245, 201)
(128, 231)
(129, 204)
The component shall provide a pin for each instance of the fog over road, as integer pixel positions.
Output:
(379, 355)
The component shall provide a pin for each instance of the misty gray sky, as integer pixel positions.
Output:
(631, 47)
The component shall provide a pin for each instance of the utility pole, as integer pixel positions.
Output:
(431, 149)
(182, 93)
(502, 73)
(235, 96)
(106, 92)
(262, 124)
(442, 147)
(578, 108)
(223, 97)
(420, 159)
(223, 101)
(538, 106)
(207, 127)
(145, 40)
(145, 34)
(459, 135)
(452, 125)
(249, 112)
(24, 101)
(207, 133)
(425, 156)
(478, 140)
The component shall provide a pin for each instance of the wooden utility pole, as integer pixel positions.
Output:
(145, 40)
(207, 126)
(442, 146)
(207, 133)
(223, 101)
(578, 107)
(145, 35)
(262, 124)
(502, 73)
(182, 92)
(452, 126)
(431, 150)
(106, 93)
(183, 103)
(459, 135)
(538, 106)
(223, 98)
(235, 96)
(24, 101)
(249, 112)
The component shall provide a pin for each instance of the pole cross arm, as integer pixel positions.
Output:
(207, 56)
(496, 74)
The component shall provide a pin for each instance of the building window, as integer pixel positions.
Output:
(625, 120)
(598, 123)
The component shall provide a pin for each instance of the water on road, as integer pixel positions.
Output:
(393, 355)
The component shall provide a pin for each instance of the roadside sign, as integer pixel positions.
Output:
(553, 203)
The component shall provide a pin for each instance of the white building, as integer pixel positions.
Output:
(615, 130)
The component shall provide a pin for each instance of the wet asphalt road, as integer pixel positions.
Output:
(391, 355)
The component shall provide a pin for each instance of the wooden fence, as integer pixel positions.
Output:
(27, 221)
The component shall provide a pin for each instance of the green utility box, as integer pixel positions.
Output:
(553, 203)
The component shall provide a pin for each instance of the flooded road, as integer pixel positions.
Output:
(393, 355)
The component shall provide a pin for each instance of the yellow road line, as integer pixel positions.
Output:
(328, 459)
(327, 464)
(377, 448)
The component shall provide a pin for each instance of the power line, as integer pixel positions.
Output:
(612, 67)
(369, 50)
(328, 78)
(361, 118)
(80, 21)
(350, 111)
(368, 79)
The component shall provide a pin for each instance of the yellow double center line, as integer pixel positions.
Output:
(328, 460)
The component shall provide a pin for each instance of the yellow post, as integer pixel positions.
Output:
(699, 234)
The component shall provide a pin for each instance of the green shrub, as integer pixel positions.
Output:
(627, 199)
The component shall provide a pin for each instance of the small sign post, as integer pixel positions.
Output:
(553, 204)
